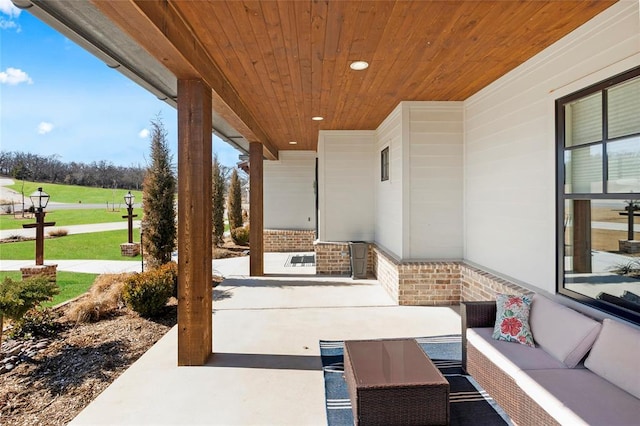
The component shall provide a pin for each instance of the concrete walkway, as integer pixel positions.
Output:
(266, 368)
(71, 229)
(275, 265)
(79, 265)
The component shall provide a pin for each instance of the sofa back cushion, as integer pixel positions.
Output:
(564, 333)
(615, 356)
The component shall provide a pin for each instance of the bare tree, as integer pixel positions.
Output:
(51, 169)
(21, 172)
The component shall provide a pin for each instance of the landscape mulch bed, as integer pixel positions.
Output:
(77, 364)
(51, 384)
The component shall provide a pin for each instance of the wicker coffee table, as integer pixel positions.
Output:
(393, 382)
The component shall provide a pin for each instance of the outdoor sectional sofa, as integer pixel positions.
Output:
(581, 371)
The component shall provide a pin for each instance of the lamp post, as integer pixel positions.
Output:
(39, 199)
(129, 249)
(128, 200)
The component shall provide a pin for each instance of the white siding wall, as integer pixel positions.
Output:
(435, 182)
(510, 145)
(389, 194)
(346, 185)
(289, 198)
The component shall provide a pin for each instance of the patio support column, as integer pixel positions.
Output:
(194, 223)
(256, 213)
(582, 236)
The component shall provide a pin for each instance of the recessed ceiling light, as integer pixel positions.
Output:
(359, 65)
(293, 143)
(317, 118)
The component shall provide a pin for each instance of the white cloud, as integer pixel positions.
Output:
(7, 25)
(7, 8)
(144, 133)
(13, 76)
(7, 13)
(44, 128)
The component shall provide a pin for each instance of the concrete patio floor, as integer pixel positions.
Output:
(266, 368)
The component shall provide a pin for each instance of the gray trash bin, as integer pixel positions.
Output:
(358, 251)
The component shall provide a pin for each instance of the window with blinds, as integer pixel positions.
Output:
(623, 112)
(584, 120)
(598, 195)
(601, 134)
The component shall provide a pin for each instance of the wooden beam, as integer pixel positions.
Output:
(194, 223)
(256, 214)
(582, 236)
(161, 31)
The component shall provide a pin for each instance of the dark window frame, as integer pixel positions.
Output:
(384, 164)
(561, 197)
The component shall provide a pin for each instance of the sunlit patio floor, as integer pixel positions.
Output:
(265, 369)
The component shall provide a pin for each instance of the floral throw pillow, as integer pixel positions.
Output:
(512, 319)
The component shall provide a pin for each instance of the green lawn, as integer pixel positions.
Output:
(98, 245)
(76, 194)
(72, 284)
(71, 217)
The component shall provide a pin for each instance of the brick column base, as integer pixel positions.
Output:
(332, 258)
(50, 271)
(631, 247)
(130, 249)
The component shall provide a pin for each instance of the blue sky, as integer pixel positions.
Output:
(56, 98)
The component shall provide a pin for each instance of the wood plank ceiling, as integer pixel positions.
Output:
(288, 61)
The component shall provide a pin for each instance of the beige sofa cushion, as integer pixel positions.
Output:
(578, 396)
(509, 357)
(565, 334)
(616, 356)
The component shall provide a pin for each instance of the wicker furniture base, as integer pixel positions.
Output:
(393, 382)
(522, 409)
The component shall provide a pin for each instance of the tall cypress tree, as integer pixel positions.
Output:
(234, 209)
(218, 202)
(159, 188)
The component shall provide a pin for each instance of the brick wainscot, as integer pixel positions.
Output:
(419, 283)
(288, 240)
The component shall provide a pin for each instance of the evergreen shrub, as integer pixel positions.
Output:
(240, 235)
(147, 293)
(36, 323)
(18, 297)
(234, 207)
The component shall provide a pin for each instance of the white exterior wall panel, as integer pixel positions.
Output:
(389, 194)
(510, 145)
(345, 185)
(289, 198)
(435, 201)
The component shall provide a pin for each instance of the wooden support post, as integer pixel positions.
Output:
(582, 236)
(631, 210)
(195, 326)
(256, 214)
(129, 218)
(39, 225)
